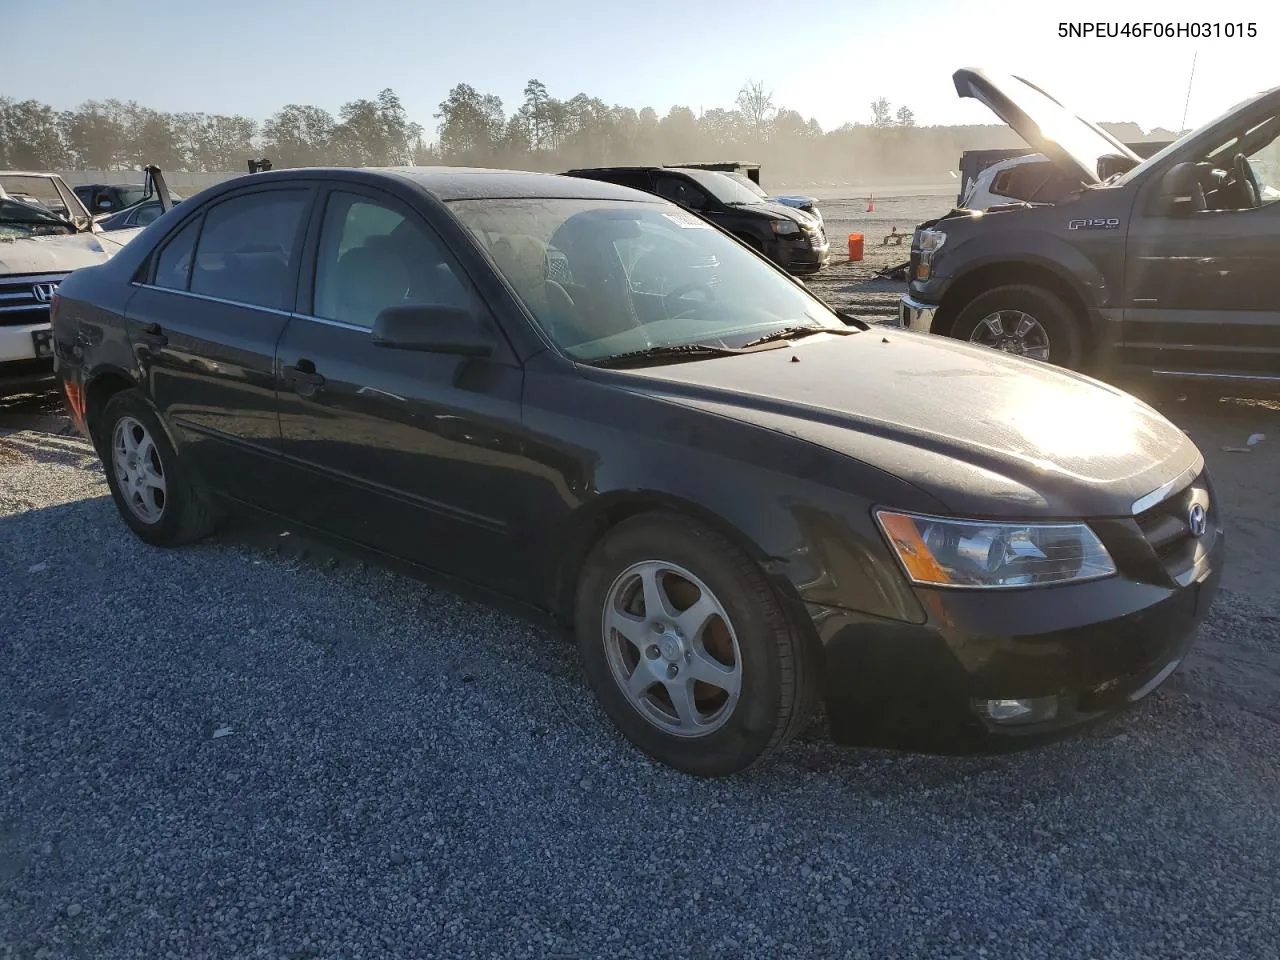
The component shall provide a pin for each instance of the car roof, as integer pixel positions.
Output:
(29, 173)
(465, 183)
(642, 166)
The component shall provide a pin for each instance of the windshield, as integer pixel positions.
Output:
(1159, 157)
(748, 183)
(19, 219)
(37, 190)
(724, 187)
(604, 277)
(130, 195)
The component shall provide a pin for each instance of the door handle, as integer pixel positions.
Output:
(152, 337)
(303, 376)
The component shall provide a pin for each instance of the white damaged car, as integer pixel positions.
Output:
(45, 234)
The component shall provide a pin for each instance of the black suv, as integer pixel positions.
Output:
(1160, 270)
(787, 236)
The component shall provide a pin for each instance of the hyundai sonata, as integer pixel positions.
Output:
(590, 401)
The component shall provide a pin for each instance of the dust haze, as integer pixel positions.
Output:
(882, 150)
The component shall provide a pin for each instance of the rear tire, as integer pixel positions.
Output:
(151, 486)
(722, 621)
(1053, 331)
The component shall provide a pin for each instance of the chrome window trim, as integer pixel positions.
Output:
(222, 300)
(340, 324)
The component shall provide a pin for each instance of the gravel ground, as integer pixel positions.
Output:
(255, 748)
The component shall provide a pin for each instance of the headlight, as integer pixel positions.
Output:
(785, 228)
(940, 552)
(931, 242)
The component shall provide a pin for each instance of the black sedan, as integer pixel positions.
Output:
(584, 399)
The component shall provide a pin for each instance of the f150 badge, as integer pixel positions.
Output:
(1100, 223)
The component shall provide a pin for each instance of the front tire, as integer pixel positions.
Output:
(688, 647)
(1023, 320)
(150, 484)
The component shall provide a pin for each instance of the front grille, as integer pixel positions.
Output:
(1167, 526)
(19, 304)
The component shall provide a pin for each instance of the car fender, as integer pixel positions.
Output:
(786, 504)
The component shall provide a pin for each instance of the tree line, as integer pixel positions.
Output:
(475, 128)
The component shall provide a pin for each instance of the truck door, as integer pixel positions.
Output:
(1202, 288)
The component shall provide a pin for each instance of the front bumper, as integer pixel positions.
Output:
(914, 315)
(26, 357)
(800, 257)
(1092, 649)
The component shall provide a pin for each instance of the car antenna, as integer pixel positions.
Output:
(1187, 103)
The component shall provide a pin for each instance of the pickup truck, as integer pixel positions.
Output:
(45, 234)
(1159, 272)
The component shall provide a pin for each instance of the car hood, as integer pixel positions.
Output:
(985, 433)
(793, 200)
(1070, 141)
(58, 254)
(779, 211)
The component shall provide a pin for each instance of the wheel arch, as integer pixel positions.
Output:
(100, 387)
(103, 384)
(593, 521)
(1022, 273)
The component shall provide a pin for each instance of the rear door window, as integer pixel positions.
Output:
(173, 267)
(248, 248)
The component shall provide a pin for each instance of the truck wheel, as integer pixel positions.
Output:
(688, 648)
(1023, 320)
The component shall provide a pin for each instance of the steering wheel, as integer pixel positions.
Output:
(1246, 180)
(671, 300)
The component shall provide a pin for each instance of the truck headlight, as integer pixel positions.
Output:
(785, 228)
(941, 552)
(930, 242)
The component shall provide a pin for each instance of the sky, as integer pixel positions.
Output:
(826, 61)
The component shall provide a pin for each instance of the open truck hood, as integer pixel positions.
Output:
(1066, 138)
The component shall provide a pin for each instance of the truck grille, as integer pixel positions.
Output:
(20, 304)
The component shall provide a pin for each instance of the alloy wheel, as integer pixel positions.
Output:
(1013, 331)
(139, 470)
(672, 649)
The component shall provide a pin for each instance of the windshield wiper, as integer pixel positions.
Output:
(670, 351)
(59, 222)
(794, 333)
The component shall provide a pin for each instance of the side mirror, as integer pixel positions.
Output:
(1111, 164)
(431, 329)
(1180, 190)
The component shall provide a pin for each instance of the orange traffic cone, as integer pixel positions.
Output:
(871, 204)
